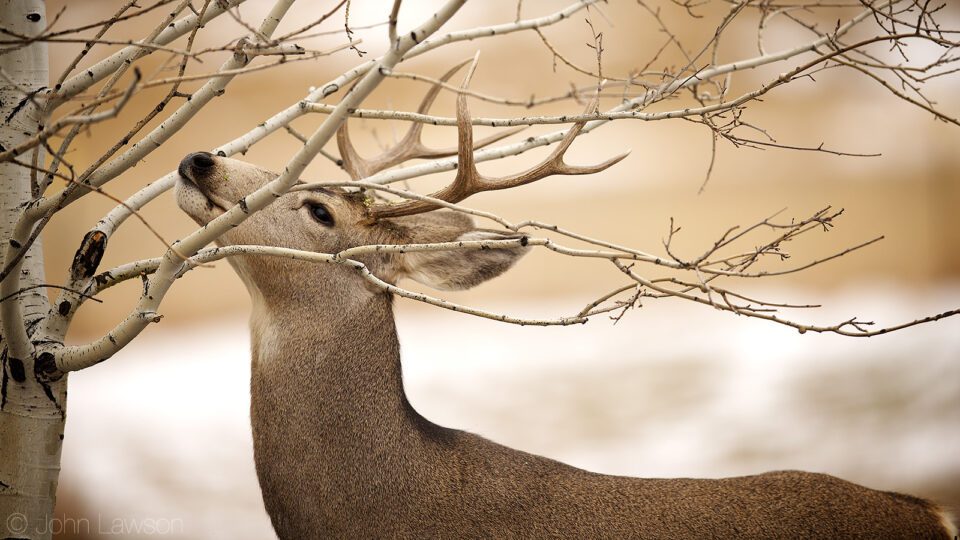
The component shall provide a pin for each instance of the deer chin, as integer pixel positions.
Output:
(197, 204)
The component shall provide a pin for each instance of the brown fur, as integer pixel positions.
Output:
(340, 452)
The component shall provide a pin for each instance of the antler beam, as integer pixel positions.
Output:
(410, 147)
(469, 181)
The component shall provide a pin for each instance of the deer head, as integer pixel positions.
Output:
(331, 220)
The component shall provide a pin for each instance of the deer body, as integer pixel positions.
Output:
(341, 453)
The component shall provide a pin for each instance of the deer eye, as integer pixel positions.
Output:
(321, 214)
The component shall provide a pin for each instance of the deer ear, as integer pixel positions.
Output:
(461, 269)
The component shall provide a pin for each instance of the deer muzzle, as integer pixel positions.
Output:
(196, 165)
(192, 190)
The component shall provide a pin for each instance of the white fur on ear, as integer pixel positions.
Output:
(461, 269)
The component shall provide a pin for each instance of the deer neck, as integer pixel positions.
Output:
(329, 361)
(328, 409)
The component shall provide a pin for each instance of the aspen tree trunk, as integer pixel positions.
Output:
(32, 412)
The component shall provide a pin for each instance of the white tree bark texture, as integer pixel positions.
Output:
(31, 412)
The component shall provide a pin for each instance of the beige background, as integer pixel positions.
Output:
(910, 195)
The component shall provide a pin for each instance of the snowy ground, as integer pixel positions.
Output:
(673, 390)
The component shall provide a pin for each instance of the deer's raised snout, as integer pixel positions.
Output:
(196, 165)
(209, 184)
(196, 189)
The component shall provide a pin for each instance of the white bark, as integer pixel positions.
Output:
(32, 412)
(106, 67)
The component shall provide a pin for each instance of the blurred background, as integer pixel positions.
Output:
(160, 432)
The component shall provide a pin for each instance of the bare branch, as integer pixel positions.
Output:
(80, 82)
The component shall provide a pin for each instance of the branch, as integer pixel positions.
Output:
(844, 328)
(74, 358)
(97, 72)
(83, 356)
(79, 120)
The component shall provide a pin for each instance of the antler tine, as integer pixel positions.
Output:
(357, 167)
(410, 146)
(554, 163)
(469, 181)
(412, 137)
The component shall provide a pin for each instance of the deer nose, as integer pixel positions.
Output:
(197, 164)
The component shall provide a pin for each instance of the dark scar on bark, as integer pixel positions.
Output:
(88, 255)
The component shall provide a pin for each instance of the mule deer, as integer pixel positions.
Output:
(339, 450)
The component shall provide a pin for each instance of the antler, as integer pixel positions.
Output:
(469, 181)
(410, 147)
